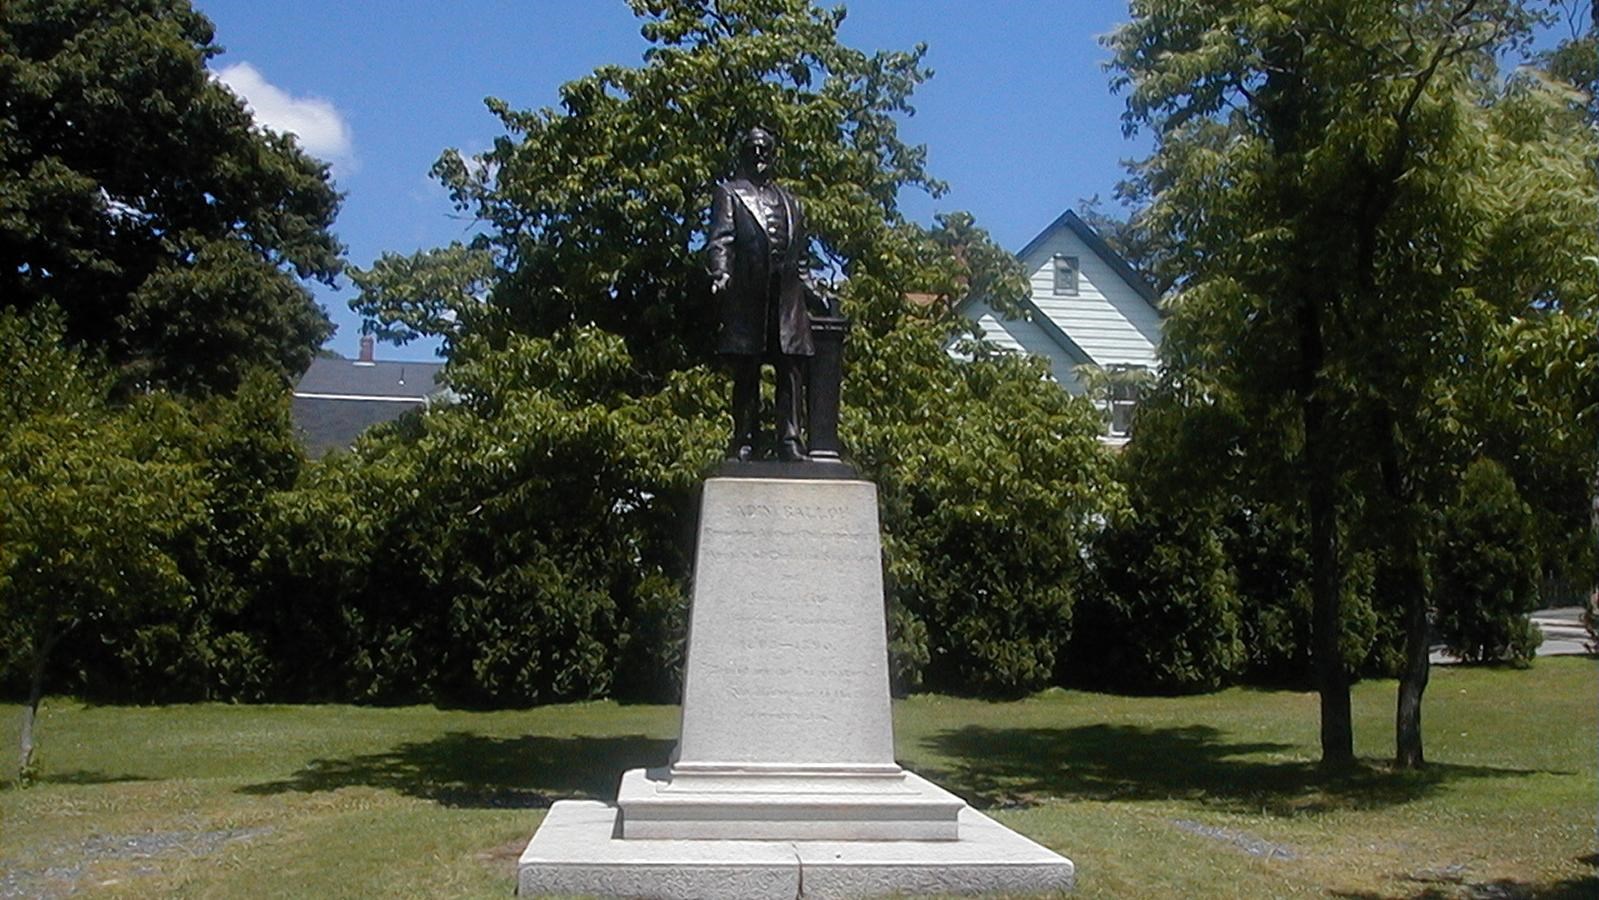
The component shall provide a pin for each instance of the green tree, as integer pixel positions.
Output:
(1488, 570)
(521, 546)
(243, 449)
(992, 484)
(1164, 613)
(92, 499)
(1343, 185)
(1575, 61)
(589, 264)
(594, 212)
(137, 196)
(1200, 473)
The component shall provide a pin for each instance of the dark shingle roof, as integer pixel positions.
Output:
(1089, 236)
(374, 379)
(327, 425)
(337, 399)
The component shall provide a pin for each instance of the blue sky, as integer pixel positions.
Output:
(1018, 118)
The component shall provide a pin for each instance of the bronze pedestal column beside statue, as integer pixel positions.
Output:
(783, 782)
(828, 333)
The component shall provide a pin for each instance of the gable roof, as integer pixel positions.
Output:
(1115, 320)
(1104, 251)
(333, 376)
(337, 398)
(1048, 326)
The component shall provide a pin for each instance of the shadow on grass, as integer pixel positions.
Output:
(1583, 888)
(462, 769)
(1010, 767)
(83, 776)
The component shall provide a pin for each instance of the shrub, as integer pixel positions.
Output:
(243, 448)
(1163, 614)
(95, 505)
(523, 546)
(1487, 570)
(992, 482)
(1267, 552)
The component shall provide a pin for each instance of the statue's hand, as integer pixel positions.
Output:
(720, 282)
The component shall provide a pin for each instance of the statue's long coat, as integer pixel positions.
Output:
(739, 247)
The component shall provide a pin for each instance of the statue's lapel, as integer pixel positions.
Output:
(788, 213)
(747, 195)
(745, 192)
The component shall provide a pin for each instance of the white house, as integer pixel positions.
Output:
(1087, 307)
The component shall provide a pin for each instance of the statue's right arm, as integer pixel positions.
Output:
(719, 244)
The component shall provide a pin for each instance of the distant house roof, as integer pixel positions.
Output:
(339, 398)
(1108, 315)
(1085, 306)
(348, 379)
(1089, 236)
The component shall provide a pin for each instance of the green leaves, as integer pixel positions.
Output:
(1163, 612)
(523, 545)
(94, 501)
(592, 404)
(1362, 167)
(992, 483)
(432, 293)
(136, 195)
(1488, 570)
(1365, 225)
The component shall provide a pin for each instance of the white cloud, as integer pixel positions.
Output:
(316, 122)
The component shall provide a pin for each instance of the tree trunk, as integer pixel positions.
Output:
(30, 710)
(1590, 612)
(1326, 588)
(1288, 103)
(1417, 669)
(1332, 677)
(1405, 539)
(1412, 682)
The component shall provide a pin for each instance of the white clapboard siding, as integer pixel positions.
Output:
(1107, 318)
(1022, 336)
(1110, 321)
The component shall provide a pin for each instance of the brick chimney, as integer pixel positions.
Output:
(367, 342)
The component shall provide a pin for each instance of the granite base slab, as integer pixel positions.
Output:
(577, 851)
(785, 806)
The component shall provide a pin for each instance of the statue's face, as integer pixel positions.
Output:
(758, 153)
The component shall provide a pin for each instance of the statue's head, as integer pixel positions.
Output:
(757, 150)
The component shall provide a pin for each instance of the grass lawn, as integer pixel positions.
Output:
(1213, 796)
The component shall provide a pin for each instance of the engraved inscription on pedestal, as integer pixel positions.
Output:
(787, 661)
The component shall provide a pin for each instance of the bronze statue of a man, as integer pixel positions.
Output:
(757, 250)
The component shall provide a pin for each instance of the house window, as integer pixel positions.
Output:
(1065, 275)
(1123, 401)
(1118, 388)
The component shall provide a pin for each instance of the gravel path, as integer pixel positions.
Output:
(69, 866)
(1243, 840)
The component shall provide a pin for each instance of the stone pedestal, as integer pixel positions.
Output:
(787, 747)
